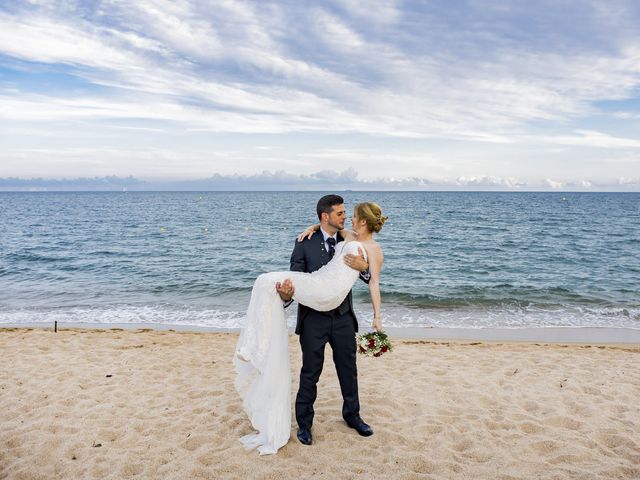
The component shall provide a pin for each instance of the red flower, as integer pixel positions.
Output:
(384, 349)
(377, 354)
(362, 350)
(372, 343)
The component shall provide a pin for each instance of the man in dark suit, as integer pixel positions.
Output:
(337, 327)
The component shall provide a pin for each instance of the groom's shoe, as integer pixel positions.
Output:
(361, 427)
(304, 436)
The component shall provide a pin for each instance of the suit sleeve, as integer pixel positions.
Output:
(365, 276)
(298, 263)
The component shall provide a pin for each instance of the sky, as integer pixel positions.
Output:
(384, 94)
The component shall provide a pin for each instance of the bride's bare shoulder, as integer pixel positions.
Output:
(372, 243)
(373, 248)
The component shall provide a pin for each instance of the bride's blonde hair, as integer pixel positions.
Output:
(372, 213)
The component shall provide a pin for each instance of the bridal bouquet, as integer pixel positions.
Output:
(374, 344)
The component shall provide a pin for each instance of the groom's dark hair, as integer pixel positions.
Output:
(326, 204)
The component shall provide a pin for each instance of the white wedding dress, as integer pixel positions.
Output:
(263, 377)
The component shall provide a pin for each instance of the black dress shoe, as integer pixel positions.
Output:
(304, 436)
(362, 428)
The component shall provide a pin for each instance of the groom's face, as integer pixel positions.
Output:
(337, 216)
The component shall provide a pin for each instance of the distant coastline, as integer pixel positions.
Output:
(286, 182)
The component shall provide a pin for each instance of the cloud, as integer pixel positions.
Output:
(595, 139)
(382, 12)
(108, 183)
(337, 34)
(44, 39)
(411, 81)
(322, 180)
(231, 67)
(490, 181)
(553, 184)
(629, 182)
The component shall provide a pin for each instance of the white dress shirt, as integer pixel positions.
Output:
(326, 235)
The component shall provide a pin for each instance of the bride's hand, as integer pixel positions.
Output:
(377, 324)
(308, 232)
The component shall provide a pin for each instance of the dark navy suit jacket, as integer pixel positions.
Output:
(308, 256)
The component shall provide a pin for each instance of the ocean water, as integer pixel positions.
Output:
(472, 259)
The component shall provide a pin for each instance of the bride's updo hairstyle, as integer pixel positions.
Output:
(372, 213)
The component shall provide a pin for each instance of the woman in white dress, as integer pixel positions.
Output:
(263, 376)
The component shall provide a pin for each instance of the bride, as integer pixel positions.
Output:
(263, 377)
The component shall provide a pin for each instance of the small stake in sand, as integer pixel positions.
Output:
(55, 326)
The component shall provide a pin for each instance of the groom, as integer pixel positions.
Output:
(336, 327)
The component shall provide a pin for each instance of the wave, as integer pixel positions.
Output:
(125, 314)
(394, 315)
(36, 257)
(505, 296)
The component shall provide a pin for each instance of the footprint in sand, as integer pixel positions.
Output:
(615, 440)
(430, 429)
(418, 464)
(529, 427)
(531, 406)
(565, 422)
(463, 446)
(197, 441)
(131, 470)
(569, 459)
(545, 447)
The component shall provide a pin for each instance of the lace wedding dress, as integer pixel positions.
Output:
(263, 377)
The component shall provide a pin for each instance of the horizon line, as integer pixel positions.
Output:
(313, 190)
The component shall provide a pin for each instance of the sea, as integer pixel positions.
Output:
(189, 259)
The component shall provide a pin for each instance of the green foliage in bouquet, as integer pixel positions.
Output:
(373, 344)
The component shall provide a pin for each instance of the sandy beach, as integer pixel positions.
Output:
(161, 404)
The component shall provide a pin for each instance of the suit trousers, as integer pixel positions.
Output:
(338, 330)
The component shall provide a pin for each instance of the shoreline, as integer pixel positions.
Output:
(573, 335)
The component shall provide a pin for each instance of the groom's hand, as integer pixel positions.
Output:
(357, 262)
(285, 290)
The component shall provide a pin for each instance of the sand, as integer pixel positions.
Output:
(160, 404)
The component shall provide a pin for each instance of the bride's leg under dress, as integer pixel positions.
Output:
(263, 377)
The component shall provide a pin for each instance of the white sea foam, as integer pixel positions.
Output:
(530, 317)
(144, 315)
(393, 316)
